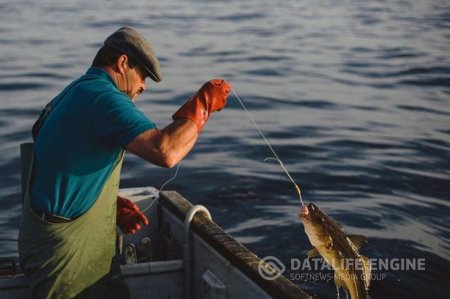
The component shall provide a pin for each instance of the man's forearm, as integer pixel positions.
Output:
(168, 146)
(179, 137)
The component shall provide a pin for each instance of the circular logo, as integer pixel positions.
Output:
(270, 268)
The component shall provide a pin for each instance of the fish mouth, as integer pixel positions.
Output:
(306, 212)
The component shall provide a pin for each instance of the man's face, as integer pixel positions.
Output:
(134, 82)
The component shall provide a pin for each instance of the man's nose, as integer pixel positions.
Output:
(142, 88)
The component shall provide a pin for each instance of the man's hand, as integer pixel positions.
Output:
(211, 97)
(129, 216)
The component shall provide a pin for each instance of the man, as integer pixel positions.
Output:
(67, 233)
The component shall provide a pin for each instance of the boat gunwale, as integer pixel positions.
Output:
(236, 253)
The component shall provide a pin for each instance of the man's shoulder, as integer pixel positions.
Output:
(97, 92)
(97, 86)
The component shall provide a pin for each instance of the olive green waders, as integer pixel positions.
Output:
(73, 259)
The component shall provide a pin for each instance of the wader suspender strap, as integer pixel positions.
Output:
(51, 105)
(26, 166)
(26, 149)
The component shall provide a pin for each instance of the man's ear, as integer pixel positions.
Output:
(122, 63)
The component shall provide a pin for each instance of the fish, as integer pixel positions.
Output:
(352, 271)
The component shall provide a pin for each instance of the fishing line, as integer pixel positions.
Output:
(160, 190)
(171, 179)
(297, 188)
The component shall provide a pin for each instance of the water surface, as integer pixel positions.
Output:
(353, 95)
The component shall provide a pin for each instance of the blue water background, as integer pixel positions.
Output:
(353, 95)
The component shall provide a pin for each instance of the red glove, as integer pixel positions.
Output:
(211, 97)
(129, 216)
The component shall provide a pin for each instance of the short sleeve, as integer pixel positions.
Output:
(116, 120)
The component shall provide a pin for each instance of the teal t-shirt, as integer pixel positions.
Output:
(79, 144)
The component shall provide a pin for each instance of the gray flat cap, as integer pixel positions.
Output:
(131, 43)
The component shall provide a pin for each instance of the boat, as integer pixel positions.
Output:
(183, 253)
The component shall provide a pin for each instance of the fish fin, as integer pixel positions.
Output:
(367, 271)
(312, 253)
(338, 282)
(337, 293)
(357, 240)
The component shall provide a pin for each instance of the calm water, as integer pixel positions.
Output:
(353, 95)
